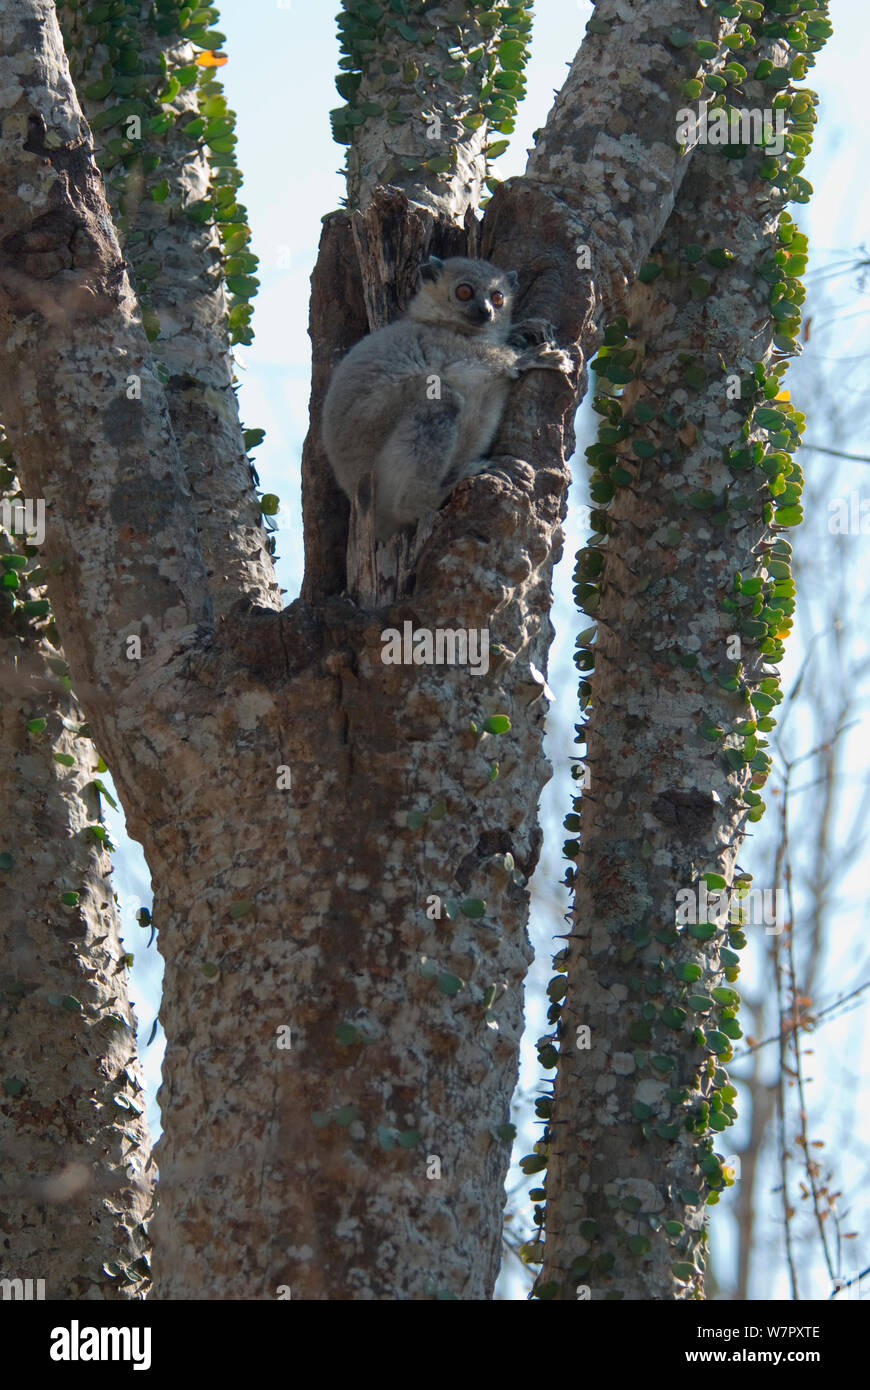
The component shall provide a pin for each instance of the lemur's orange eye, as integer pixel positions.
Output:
(497, 298)
(464, 292)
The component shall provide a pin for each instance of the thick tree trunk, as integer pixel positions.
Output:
(690, 591)
(153, 189)
(75, 1177)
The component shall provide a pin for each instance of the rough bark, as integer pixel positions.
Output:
(75, 1180)
(674, 752)
(365, 1160)
(175, 266)
(423, 90)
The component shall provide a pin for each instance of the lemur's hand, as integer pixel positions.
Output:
(530, 331)
(544, 356)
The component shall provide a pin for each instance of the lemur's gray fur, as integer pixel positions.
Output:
(419, 402)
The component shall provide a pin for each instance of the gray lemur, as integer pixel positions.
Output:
(419, 402)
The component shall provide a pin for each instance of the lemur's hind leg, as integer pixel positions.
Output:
(414, 472)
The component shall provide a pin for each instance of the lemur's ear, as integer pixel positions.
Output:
(431, 269)
(513, 279)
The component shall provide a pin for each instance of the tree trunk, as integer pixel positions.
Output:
(688, 581)
(75, 1178)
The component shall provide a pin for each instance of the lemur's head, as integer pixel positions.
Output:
(472, 297)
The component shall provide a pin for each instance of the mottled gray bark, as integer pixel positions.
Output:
(75, 1178)
(76, 1175)
(631, 1153)
(177, 263)
(416, 94)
